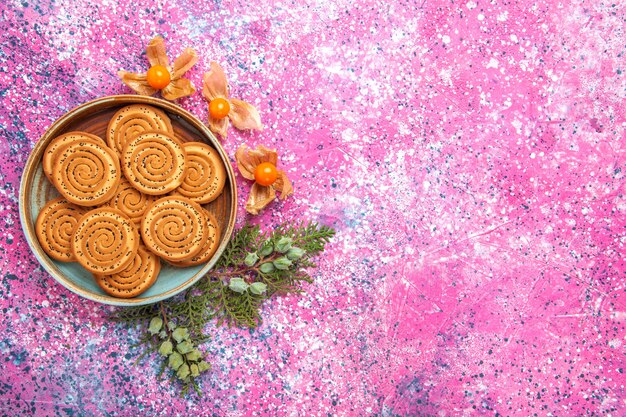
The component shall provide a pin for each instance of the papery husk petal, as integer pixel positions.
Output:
(183, 63)
(248, 159)
(214, 83)
(245, 165)
(266, 154)
(181, 87)
(156, 52)
(218, 126)
(244, 115)
(260, 196)
(137, 82)
(283, 185)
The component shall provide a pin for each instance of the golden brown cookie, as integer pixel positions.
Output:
(49, 155)
(105, 241)
(210, 247)
(131, 201)
(206, 175)
(174, 228)
(133, 280)
(154, 162)
(86, 173)
(132, 120)
(54, 227)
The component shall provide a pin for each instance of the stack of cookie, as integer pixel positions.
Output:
(130, 201)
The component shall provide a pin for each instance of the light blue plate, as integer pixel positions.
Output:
(36, 190)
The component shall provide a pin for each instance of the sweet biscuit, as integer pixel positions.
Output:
(86, 173)
(154, 162)
(209, 248)
(132, 120)
(54, 227)
(206, 175)
(174, 228)
(135, 279)
(131, 201)
(50, 154)
(105, 241)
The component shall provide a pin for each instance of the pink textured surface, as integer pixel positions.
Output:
(471, 156)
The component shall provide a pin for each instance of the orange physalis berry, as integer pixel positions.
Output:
(265, 173)
(158, 77)
(219, 108)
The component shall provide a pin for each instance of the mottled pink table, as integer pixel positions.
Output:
(471, 156)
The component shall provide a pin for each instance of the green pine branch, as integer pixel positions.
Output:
(238, 246)
(134, 315)
(254, 267)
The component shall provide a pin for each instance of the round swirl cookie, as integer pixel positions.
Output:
(105, 241)
(174, 228)
(154, 162)
(132, 120)
(133, 280)
(55, 226)
(206, 175)
(86, 173)
(50, 154)
(209, 248)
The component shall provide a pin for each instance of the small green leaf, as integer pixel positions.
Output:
(295, 253)
(184, 347)
(195, 371)
(258, 288)
(267, 268)
(183, 371)
(155, 325)
(284, 244)
(166, 348)
(237, 284)
(204, 366)
(175, 360)
(180, 334)
(266, 249)
(282, 263)
(194, 355)
(251, 259)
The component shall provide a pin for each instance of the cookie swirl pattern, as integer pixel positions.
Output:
(213, 240)
(206, 175)
(174, 228)
(55, 226)
(135, 279)
(50, 154)
(154, 163)
(86, 173)
(105, 241)
(131, 201)
(133, 120)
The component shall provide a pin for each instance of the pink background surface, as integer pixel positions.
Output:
(471, 156)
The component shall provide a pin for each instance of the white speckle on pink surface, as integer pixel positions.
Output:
(470, 156)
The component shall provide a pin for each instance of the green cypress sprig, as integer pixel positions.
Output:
(254, 267)
(135, 315)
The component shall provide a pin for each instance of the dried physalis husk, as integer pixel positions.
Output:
(262, 194)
